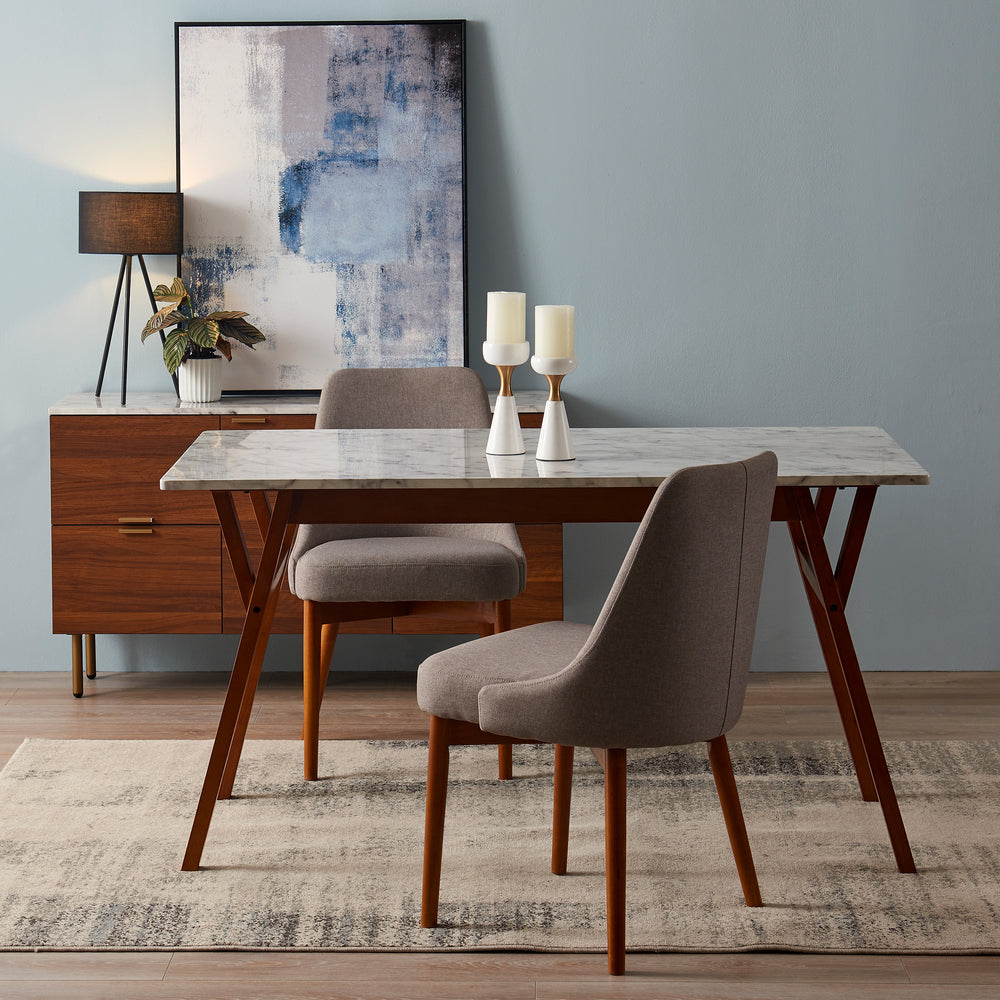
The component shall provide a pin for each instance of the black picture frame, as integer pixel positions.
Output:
(323, 167)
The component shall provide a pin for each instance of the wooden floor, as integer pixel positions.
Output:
(934, 706)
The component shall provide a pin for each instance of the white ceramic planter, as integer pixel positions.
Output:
(199, 380)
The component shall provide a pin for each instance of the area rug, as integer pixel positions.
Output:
(92, 833)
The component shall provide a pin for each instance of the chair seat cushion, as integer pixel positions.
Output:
(408, 568)
(449, 682)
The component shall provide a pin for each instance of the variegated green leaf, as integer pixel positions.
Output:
(173, 350)
(239, 329)
(227, 314)
(167, 316)
(203, 332)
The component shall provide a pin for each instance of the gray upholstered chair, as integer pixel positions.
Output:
(665, 665)
(343, 573)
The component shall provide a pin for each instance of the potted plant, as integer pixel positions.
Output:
(193, 347)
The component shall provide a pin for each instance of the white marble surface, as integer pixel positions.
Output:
(161, 403)
(287, 459)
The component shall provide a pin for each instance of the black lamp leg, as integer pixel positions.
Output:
(128, 290)
(111, 326)
(152, 302)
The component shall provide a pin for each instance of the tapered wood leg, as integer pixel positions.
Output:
(328, 639)
(561, 796)
(725, 784)
(505, 752)
(834, 668)
(834, 632)
(243, 681)
(437, 796)
(236, 549)
(614, 856)
(311, 671)
(77, 647)
(91, 657)
(505, 761)
(266, 615)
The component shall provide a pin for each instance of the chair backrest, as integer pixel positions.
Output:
(674, 638)
(666, 662)
(403, 397)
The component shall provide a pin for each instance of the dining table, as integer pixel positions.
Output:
(409, 476)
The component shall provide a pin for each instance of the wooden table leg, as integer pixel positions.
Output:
(834, 667)
(236, 547)
(831, 623)
(246, 671)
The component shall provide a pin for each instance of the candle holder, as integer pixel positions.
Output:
(505, 431)
(554, 441)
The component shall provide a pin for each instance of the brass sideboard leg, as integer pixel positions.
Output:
(91, 655)
(77, 665)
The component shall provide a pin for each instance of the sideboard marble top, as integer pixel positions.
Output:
(82, 404)
(623, 456)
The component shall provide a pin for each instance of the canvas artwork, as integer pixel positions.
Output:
(322, 167)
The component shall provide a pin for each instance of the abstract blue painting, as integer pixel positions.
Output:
(323, 172)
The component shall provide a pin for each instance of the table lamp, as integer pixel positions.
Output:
(129, 223)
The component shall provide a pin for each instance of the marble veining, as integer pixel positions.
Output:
(162, 403)
(620, 456)
(158, 404)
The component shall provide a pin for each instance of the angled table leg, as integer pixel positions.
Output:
(827, 641)
(826, 600)
(261, 602)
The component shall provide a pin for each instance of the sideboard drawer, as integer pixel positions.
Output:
(136, 578)
(109, 467)
(266, 421)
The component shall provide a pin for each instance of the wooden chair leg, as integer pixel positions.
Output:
(328, 639)
(505, 761)
(311, 671)
(562, 793)
(725, 783)
(614, 856)
(437, 796)
(505, 752)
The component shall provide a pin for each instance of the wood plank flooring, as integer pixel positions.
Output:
(935, 706)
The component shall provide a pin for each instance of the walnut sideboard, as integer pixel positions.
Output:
(128, 557)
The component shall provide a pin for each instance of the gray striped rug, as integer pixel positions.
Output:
(92, 832)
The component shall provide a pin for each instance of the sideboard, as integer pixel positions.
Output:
(130, 558)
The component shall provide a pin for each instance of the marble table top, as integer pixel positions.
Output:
(161, 403)
(620, 456)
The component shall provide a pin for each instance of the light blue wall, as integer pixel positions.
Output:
(765, 212)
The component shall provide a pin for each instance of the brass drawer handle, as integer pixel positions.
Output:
(135, 531)
(135, 520)
(249, 420)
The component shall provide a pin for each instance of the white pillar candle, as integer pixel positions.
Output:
(554, 331)
(505, 317)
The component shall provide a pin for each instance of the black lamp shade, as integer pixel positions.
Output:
(130, 222)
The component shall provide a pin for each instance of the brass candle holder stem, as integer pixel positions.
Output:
(506, 371)
(555, 382)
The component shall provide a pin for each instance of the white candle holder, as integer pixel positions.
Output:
(505, 431)
(554, 441)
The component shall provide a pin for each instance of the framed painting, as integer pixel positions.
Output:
(323, 172)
